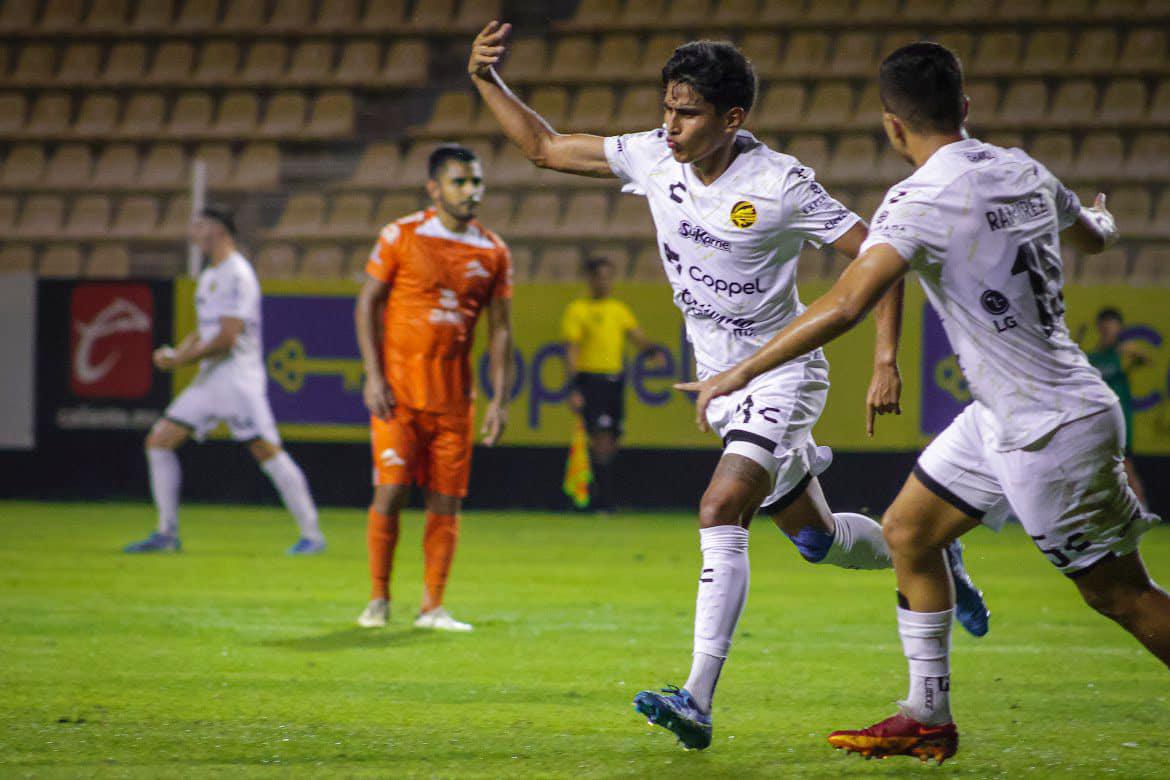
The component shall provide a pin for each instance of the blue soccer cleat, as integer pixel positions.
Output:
(156, 542)
(307, 547)
(970, 609)
(678, 713)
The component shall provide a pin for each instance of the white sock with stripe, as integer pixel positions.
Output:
(166, 477)
(723, 586)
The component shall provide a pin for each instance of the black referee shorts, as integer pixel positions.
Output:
(605, 407)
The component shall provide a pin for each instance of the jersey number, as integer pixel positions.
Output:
(1049, 304)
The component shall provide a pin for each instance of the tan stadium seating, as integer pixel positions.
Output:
(806, 54)
(583, 212)
(537, 215)
(854, 55)
(523, 262)
(152, 15)
(1124, 102)
(1152, 266)
(453, 114)
(377, 168)
(1101, 157)
(1095, 51)
(17, 17)
(1108, 267)
(780, 11)
(311, 63)
(391, 209)
(1160, 224)
(238, 115)
(812, 150)
(618, 254)
(350, 216)
(218, 161)
(90, 216)
(137, 217)
(1007, 139)
(257, 168)
(639, 109)
(197, 16)
(689, 13)
(50, 115)
(763, 49)
(924, 10)
(495, 213)
(13, 108)
(243, 16)
(432, 15)
(16, 257)
(177, 220)
(961, 43)
(599, 13)
(890, 167)
(322, 262)
(983, 102)
(969, 10)
(97, 117)
(284, 115)
(164, 168)
(143, 116)
(80, 64)
(61, 15)
(24, 168)
(35, 65)
(1145, 50)
(1159, 112)
(303, 216)
(642, 14)
(1149, 157)
(868, 11)
(997, 52)
(1024, 103)
(60, 261)
(355, 264)
(108, 261)
(511, 168)
(331, 116)
(265, 62)
(868, 200)
(1017, 10)
(592, 110)
(868, 111)
(126, 64)
(572, 59)
(1075, 103)
(276, 261)
(892, 41)
(558, 264)
(830, 106)
(359, 63)
(412, 174)
(406, 63)
(617, 55)
(291, 16)
(654, 55)
(781, 106)
(116, 167)
(334, 15)
(474, 15)
(631, 219)
(191, 115)
(854, 159)
(172, 64)
(646, 264)
(527, 60)
(1055, 151)
(1131, 208)
(218, 62)
(8, 211)
(69, 167)
(384, 15)
(1047, 52)
(734, 13)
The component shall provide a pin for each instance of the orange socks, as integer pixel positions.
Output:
(439, 538)
(381, 539)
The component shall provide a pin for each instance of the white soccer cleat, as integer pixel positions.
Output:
(375, 615)
(439, 619)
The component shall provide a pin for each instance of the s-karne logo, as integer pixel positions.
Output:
(110, 340)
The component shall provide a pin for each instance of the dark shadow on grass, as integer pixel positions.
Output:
(350, 638)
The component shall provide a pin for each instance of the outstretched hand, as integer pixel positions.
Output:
(1104, 219)
(710, 388)
(884, 396)
(488, 48)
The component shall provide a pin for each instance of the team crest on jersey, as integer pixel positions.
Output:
(743, 214)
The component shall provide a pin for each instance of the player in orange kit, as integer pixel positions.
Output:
(429, 277)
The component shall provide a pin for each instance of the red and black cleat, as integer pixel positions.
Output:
(900, 736)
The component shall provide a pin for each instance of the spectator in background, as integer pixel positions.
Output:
(1113, 358)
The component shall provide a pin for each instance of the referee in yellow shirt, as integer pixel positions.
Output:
(596, 330)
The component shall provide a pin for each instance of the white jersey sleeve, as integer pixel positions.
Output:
(908, 220)
(633, 155)
(811, 211)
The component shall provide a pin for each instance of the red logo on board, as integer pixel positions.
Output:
(110, 332)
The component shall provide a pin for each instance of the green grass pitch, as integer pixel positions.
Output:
(232, 659)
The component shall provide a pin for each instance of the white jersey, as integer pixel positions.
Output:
(231, 289)
(980, 224)
(730, 248)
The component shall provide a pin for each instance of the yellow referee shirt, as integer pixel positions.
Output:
(598, 328)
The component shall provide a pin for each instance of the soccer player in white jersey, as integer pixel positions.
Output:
(731, 217)
(1044, 435)
(230, 388)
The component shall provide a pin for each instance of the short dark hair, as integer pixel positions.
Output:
(717, 70)
(221, 214)
(922, 84)
(446, 152)
(1109, 313)
(595, 263)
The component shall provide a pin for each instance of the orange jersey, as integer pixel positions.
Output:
(439, 281)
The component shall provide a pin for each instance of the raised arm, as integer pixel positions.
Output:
(367, 319)
(545, 147)
(1094, 231)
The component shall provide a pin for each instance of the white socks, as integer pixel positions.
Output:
(857, 544)
(290, 482)
(723, 586)
(165, 480)
(926, 643)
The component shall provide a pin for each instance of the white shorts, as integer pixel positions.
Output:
(771, 420)
(220, 397)
(1069, 489)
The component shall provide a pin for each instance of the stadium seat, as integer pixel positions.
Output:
(646, 264)
(391, 209)
(257, 168)
(165, 168)
(176, 221)
(173, 63)
(350, 216)
(853, 55)
(1007, 139)
(781, 107)
(1019, 10)
(1108, 267)
(1024, 103)
(527, 60)
(689, 13)
(406, 63)
(495, 213)
(284, 115)
(17, 17)
(639, 109)
(592, 110)
(572, 59)
(152, 15)
(961, 43)
(523, 262)
(1101, 157)
(311, 63)
(276, 261)
(8, 213)
(854, 160)
(60, 261)
(265, 62)
(359, 63)
(13, 108)
(618, 254)
(1160, 223)
(583, 213)
(384, 15)
(331, 116)
(243, 16)
(453, 114)
(337, 15)
(967, 11)
(432, 16)
(89, 217)
(80, 64)
(1152, 266)
(642, 14)
(996, 53)
(780, 12)
(218, 62)
(238, 114)
(537, 215)
(735, 13)
(377, 168)
(137, 217)
(143, 116)
(1131, 208)
(552, 103)
(615, 56)
(303, 215)
(218, 161)
(36, 65)
(1159, 112)
(412, 174)
(107, 16)
(322, 262)
(116, 168)
(69, 167)
(654, 55)
(1145, 51)
(1055, 151)
(1149, 158)
(97, 117)
(1047, 53)
(890, 168)
(805, 55)
(197, 16)
(108, 261)
(511, 168)
(924, 11)
(630, 219)
(983, 102)
(763, 49)
(595, 13)
(126, 64)
(24, 168)
(812, 150)
(558, 264)
(191, 115)
(292, 16)
(16, 257)
(868, 111)
(830, 105)
(895, 40)
(61, 16)
(1096, 50)
(475, 14)
(1124, 102)
(50, 116)
(1075, 103)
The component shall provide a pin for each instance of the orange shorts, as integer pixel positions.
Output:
(424, 448)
